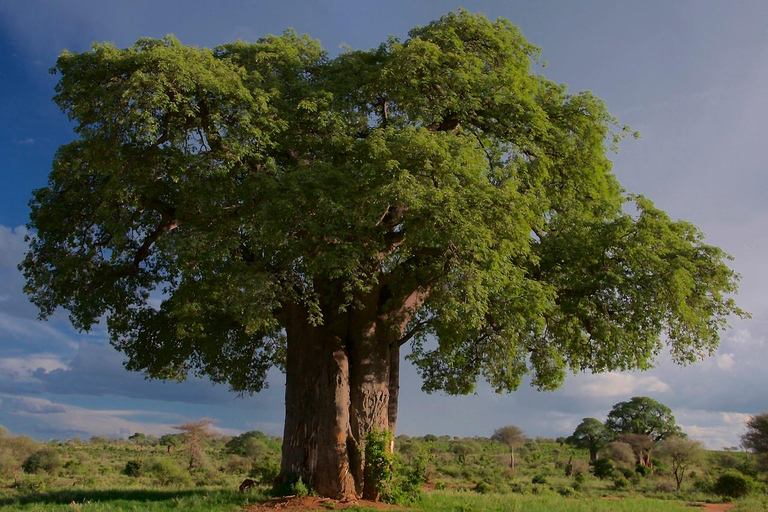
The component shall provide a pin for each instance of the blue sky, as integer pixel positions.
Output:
(690, 75)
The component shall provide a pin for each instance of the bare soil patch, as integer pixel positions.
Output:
(295, 503)
(714, 507)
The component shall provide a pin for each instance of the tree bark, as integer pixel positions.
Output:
(337, 390)
(317, 438)
(342, 382)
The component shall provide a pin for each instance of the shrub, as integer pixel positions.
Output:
(265, 471)
(580, 477)
(703, 485)
(733, 485)
(620, 482)
(31, 484)
(46, 459)
(166, 473)
(642, 470)
(132, 468)
(300, 489)
(539, 479)
(602, 468)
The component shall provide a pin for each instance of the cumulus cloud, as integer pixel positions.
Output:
(725, 361)
(618, 384)
(62, 420)
(716, 429)
(23, 368)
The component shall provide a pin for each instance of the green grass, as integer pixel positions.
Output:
(448, 501)
(216, 500)
(192, 500)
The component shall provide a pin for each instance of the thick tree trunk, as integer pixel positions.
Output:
(342, 382)
(317, 438)
(337, 390)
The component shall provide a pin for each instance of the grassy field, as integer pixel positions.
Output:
(464, 474)
(216, 500)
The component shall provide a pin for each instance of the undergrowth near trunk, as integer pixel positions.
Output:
(396, 482)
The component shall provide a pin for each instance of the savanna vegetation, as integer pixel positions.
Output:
(193, 469)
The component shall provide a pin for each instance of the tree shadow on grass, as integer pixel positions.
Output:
(66, 497)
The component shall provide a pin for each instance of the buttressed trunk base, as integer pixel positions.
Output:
(341, 383)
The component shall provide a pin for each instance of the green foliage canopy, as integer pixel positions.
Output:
(592, 435)
(643, 416)
(755, 438)
(208, 189)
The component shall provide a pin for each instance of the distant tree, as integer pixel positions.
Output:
(642, 445)
(253, 445)
(138, 438)
(681, 453)
(513, 436)
(592, 435)
(171, 440)
(755, 439)
(643, 415)
(194, 435)
(620, 453)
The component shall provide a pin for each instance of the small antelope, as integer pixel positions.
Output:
(247, 484)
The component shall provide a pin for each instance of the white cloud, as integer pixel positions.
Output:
(12, 246)
(618, 384)
(58, 418)
(24, 142)
(715, 429)
(725, 361)
(742, 336)
(23, 368)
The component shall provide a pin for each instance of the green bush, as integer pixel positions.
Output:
(539, 479)
(733, 485)
(46, 459)
(620, 482)
(300, 489)
(265, 471)
(166, 473)
(580, 477)
(31, 484)
(602, 468)
(642, 470)
(703, 484)
(132, 468)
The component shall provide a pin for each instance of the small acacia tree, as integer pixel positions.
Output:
(682, 453)
(314, 213)
(195, 435)
(512, 436)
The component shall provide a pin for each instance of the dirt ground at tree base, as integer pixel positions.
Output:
(308, 503)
